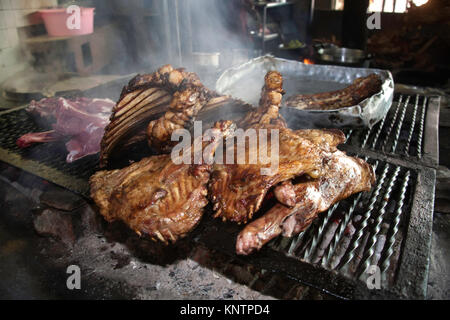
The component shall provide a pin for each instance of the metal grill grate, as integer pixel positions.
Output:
(400, 133)
(361, 231)
(386, 230)
(390, 227)
(47, 160)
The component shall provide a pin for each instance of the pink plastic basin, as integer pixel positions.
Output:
(55, 21)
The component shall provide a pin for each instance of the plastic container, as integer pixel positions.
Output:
(58, 22)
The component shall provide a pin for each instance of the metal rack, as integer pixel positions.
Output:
(265, 6)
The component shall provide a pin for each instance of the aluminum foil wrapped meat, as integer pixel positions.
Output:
(245, 82)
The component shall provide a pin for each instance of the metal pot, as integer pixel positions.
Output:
(337, 55)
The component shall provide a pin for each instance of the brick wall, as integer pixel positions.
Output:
(14, 16)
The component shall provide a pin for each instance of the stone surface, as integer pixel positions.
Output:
(442, 202)
(439, 277)
(57, 224)
(61, 199)
(90, 220)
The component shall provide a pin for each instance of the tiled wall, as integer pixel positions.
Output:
(16, 14)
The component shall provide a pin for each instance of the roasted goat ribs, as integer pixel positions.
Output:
(156, 196)
(237, 190)
(359, 90)
(152, 106)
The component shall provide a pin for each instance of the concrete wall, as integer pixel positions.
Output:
(14, 16)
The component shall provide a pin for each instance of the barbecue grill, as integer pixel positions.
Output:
(389, 227)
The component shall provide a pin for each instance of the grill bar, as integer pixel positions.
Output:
(403, 133)
(378, 222)
(400, 125)
(395, 227)
(357, 242)
(338, 235)
(411, 130)
(391, 126)
(422, 122)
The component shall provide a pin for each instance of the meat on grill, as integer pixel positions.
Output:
(343, 176)
(269, 104)
(359, 90)
(157, 103)
(165, 200)
(237, 190)
(79, 122)
(189, 97)
(157, 196)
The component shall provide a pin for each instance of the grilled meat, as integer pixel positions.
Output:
(164, 199)
(158, 196)
(343, 176)
(189, 97)
(269, 104)
(157, 104)
(285, 193)
(146, 96)
(237, 190)
(359, 90)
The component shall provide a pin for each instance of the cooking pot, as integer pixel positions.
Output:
(338, 55)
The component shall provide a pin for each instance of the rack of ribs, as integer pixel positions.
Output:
(152, 106)
(359, 90)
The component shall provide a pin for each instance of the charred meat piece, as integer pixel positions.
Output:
(79, 122)
(158, 196)
(184, 106)
(269, 104)
(157, 104)
(359, 90)
(189, 97)
(237, 190)
(145, 97)
(343, 176)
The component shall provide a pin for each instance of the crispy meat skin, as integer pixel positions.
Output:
(343, 176)
(359, 90)
(237, 190)
(155, 196)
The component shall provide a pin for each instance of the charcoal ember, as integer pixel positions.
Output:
(56, 224)
(61, 199)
